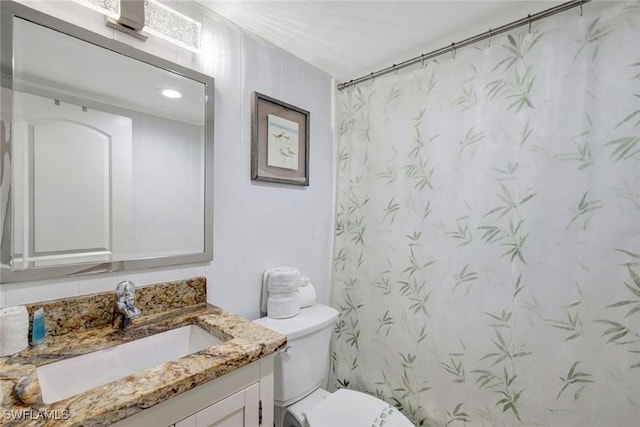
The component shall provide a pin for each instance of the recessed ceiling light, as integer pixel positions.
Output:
(171, 93)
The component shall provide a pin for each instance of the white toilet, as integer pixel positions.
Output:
(300, 370)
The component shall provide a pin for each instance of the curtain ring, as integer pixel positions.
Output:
(581, 3)
(424, 63)
(529, 18)
(453, 50)
(490, 35)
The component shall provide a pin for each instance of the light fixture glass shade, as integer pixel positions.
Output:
(160, 21)
(166, 23)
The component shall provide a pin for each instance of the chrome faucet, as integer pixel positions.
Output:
(126, 310)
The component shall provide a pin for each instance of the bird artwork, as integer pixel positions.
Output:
(285, 153)
(281, 136)
(282, 144)
(291, 152)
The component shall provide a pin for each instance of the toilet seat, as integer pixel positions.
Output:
(294, 417)
(349, 408)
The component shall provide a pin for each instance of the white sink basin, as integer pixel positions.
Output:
(69, 377)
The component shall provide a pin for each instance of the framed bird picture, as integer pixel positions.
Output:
(279, 142)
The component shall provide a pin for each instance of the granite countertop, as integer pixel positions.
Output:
(245, 342)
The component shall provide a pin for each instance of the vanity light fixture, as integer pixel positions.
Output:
(157, 20)
(131, 20)
(170, 93)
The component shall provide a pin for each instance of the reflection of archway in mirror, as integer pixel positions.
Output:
(73, 183)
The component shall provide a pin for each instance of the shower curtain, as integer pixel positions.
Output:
(487, 241)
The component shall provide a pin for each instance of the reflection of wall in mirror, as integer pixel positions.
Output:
(168, 180)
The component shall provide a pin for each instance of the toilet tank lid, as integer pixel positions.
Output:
(308, 320)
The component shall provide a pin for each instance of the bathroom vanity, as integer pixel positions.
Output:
(226, 382)
(241, 398)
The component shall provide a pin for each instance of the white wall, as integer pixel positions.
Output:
(256, 225)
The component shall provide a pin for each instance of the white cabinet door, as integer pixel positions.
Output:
(238, 410)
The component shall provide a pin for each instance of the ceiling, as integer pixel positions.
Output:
(350, 38)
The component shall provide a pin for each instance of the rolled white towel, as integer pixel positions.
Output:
(282, 280)
(282, 306)
(307, 294)
(14, 330)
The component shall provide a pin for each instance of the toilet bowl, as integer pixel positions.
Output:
(300, 371)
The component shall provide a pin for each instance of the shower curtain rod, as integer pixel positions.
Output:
(466, 42)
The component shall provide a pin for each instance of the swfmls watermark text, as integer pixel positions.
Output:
(35, 414)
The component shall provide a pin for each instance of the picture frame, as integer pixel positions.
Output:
(279, 142)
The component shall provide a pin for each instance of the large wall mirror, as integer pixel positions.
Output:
(106, 154)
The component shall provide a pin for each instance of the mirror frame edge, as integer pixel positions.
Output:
(9, 9)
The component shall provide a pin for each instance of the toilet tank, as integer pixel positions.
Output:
(303, 365)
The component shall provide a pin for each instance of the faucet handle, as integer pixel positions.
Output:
(126, 290)
(125, 304)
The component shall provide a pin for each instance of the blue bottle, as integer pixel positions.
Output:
(37, 329)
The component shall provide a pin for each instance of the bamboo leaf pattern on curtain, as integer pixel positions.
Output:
(487, 243)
